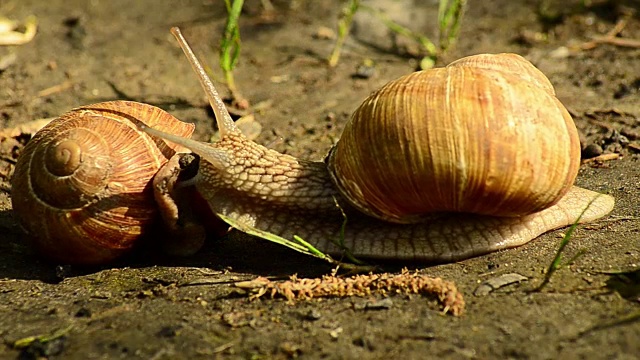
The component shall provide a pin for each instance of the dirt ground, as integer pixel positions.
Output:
(91, 51)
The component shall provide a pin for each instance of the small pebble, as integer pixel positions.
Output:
(497, 282)
(382, 304)
(591, 151)
(562, 52)
(313, 315)
(335, 333)
(324, 33)
(290, 349)
(83, 312)
(617, 138)
(634, 147)
(615, 148)
(364, 72)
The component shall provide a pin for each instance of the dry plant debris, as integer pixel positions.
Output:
(611, 37)
(601, 158)
(10, 36)
(359, 285)
(28, 128)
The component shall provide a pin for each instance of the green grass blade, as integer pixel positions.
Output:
(449, 20)
(556, 262)
(230, 44)
(344, 25)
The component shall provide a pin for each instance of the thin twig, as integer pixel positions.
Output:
(602, 158)
(611, 38)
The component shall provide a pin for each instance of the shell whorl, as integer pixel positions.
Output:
(72, 164)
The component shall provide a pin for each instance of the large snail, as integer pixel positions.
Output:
(438, 165)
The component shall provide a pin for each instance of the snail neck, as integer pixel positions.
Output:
(257, 174)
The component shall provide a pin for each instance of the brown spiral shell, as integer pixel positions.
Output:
(82, 185)
(484, 135)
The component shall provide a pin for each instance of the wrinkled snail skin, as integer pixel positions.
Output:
(262, 189)
(444, 238)
(82, 185)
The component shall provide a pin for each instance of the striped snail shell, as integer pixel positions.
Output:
(82, 185)
(485, 135)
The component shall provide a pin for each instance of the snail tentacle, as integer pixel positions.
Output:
(225, 123)
(215, 157)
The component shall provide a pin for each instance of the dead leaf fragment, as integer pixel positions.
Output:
(497, 282)
(10, 36)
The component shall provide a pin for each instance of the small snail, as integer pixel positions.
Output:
(438, 165)
(82, 185)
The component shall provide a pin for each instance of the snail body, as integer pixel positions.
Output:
(82, 185)
(259, 188)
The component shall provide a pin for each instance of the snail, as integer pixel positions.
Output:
(82, 185)
(425, 170)
(439, 165)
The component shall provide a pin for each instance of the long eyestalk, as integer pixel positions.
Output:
(225, 123)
